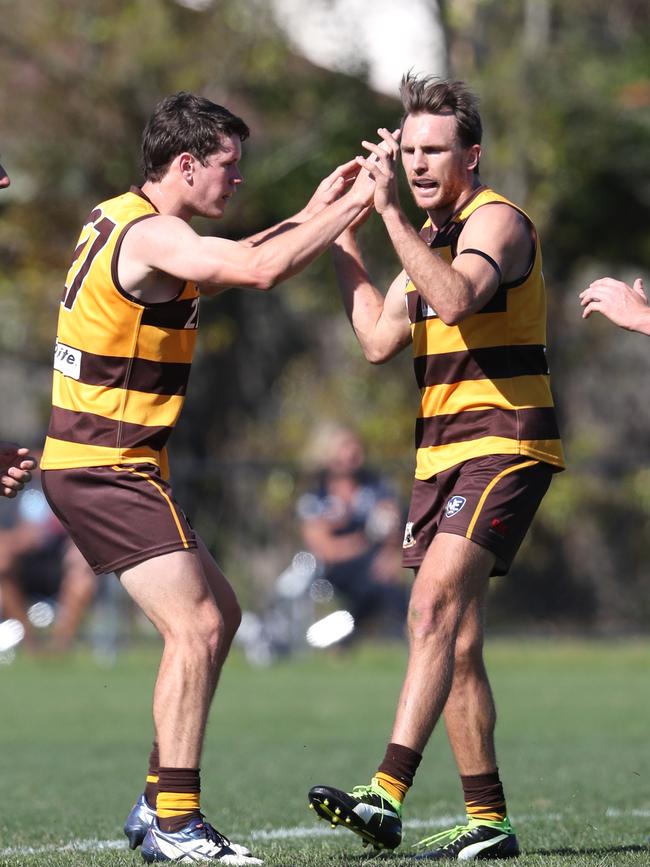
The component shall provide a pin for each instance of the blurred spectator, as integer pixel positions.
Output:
(39, 562)
(351, 522)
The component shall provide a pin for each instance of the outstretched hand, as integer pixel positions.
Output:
(332, 187)
(626, 306)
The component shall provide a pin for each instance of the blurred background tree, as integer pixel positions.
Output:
(565, 98)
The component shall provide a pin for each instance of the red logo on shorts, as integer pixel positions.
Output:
(498, 527)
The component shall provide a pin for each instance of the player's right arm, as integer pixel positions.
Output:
(167, 243)
(380, 322)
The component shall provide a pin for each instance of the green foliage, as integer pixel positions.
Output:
(565, 98)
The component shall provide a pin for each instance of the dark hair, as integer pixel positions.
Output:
(433, 95)
(185, 122)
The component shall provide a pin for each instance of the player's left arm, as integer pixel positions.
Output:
(495, 246)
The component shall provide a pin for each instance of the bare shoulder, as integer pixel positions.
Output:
(150, 241)
(503, 233)
(497, 220)
(160, 228)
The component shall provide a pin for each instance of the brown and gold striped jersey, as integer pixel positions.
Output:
(121, 366)
(484, 382)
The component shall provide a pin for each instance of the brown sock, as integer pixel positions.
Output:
(151, 785)
(179, 797)
(397, 770)
(484, 798)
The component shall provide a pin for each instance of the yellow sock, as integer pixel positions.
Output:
(395, 788)
(169, 805)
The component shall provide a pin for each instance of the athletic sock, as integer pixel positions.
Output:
(179, 798)
(151, 785)
(484, 798)
(396, 772)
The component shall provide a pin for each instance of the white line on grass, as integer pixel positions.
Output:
(296, 832)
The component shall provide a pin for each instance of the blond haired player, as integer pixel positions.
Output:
(470, 300)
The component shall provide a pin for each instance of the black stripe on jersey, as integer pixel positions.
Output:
(495, 362)
(174, 315)
(134, 374)
(86, 428)
(537, 423)
(418, 310)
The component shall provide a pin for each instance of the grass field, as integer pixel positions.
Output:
(572, 738)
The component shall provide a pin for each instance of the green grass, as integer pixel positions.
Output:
(572, 741)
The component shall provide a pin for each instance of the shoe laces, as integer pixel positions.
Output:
(451, 835)
(373, 790)
(211, 833)
(363, 792)
(442, 837)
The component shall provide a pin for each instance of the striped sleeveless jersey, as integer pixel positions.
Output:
(121, 366)
(484, 382)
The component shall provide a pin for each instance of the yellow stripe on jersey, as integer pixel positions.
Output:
(150, 342)
(67, 455)
(520, 392)
(131, 407)
(480, 331)
(176, 346)
(431, 458)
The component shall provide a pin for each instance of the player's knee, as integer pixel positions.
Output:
(200, 636)
(433, 618)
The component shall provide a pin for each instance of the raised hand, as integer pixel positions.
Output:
(333, 186)
(381, 166)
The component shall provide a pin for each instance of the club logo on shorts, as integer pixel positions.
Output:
(409, 540)
(454, 505)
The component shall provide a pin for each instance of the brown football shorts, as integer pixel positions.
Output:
(491, 500)
(118, 516)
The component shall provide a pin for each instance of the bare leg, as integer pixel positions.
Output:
(226, 601)
(454, 572)
(470, 714)
(183, 604)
